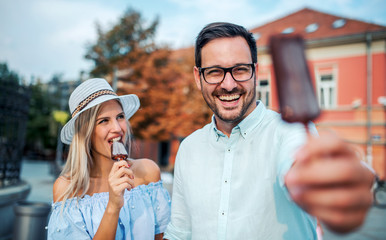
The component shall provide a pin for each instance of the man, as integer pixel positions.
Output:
(249, 175)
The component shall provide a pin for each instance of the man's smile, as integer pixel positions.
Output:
(229, 98)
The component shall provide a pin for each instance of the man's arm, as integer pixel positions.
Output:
(328, 181)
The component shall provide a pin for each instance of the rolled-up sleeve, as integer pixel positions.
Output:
(180, 224)
(294, 138)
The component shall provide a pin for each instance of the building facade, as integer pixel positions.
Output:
(347, 60)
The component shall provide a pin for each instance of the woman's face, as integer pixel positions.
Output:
(110, 123)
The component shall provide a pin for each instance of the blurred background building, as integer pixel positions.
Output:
(347, 62)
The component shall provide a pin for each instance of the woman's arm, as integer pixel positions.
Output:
(60, 186)
(108, 226)
(121, 178)
(146, 171)
(66, 221)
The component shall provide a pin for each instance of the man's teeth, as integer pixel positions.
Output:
(229, 97)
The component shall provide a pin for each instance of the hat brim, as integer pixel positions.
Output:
(130, 104)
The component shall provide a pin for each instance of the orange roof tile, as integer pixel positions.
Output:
(304, 17)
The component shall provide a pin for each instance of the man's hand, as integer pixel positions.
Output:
(328, 181)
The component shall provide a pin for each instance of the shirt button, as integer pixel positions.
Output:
(58, 230)
(229, 150)
(223, 213)
(132, 207)
(46, 227)
(226, 181)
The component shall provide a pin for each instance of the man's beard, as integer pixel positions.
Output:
(244, 109)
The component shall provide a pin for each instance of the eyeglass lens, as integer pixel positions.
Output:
(242, 72)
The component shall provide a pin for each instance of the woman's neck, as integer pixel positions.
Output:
(101, 166)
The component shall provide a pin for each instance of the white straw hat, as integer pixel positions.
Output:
(89, 94)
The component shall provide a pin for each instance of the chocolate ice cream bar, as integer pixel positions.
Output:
(293, 81)
(118, 151)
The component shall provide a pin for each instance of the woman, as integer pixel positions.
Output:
(96, 197)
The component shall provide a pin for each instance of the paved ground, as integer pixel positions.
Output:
(37, 173)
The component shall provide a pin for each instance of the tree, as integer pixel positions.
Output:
(41, 127)
(17, 102)
(7, 75)
(170, 104)
(123, 45)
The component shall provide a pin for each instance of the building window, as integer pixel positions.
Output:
(257, 35)
(339, 23)
(263, 85)
(263, 90)
(288, 30)
(326, 87)
(312, 27)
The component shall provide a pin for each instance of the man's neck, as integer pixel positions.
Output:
(225, 127)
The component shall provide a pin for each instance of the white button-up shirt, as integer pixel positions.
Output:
(233, 188)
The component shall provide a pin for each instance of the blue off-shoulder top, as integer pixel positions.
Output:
(145, 213)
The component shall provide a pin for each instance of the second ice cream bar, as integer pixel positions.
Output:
(296, 93)
(118, 151)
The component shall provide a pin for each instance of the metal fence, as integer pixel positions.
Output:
(14, 106)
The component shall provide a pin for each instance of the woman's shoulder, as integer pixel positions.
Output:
(146, 169)
(60, 186)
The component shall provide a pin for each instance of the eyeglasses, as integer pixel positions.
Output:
(239, 72)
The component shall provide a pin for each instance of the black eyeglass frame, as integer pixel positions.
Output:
(226, 70)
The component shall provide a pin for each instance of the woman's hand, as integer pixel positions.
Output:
(120, 178)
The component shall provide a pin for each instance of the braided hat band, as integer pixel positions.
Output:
(86, 101)
(90, 93)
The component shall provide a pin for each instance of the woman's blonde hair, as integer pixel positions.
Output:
(79, 161)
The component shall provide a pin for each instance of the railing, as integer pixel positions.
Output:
(14, 105)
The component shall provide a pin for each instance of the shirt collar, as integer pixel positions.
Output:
(247, 124)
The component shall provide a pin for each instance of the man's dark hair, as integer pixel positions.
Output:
(223, 30)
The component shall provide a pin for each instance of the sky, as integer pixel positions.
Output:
(40, 38)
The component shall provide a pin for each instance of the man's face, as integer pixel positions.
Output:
(231, 101)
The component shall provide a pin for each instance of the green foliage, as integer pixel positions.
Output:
(171, 106)
(60, 116)
(41, 127)
(8, 76)
(124, 43)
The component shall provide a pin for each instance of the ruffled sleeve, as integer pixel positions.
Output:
(161, 205)
(146, 212)
(67, 224)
